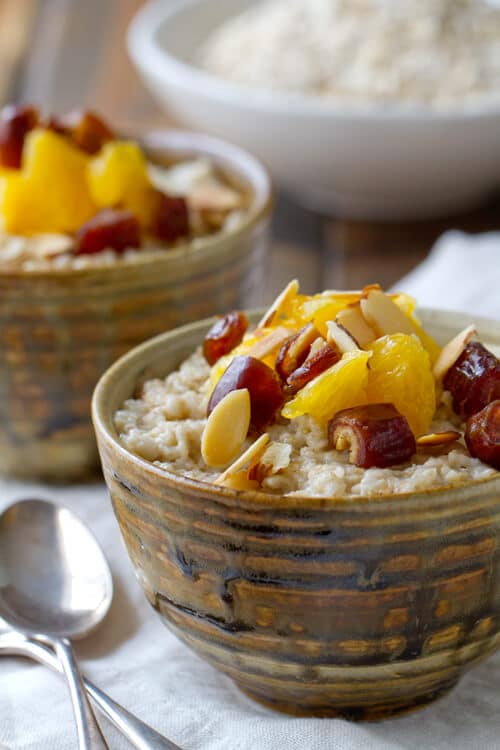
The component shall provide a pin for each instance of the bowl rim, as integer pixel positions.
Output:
(255, 498)
(148, 55)
(237, 160)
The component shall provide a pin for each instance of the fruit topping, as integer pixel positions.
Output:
(375, 434)
(437, 439)
(341, 386)
(86, 129)
(226, 429)
(452, 351)
(264, 386)
(170, 219)
(351, 319)
(295, 350)
(473, 380)
(382, 313)
(320, 358)
(15, 123)
(400, 374)
(108, 229)
(482, 434)
(224, 335)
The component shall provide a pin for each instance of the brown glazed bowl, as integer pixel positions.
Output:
(61, 329)
(324, 606)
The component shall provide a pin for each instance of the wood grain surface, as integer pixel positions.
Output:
(66, 53)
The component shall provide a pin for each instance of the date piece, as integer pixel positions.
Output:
(295, 350)
(482, 435)
(377, 435)
(170, 218)
(86, 129)
(224, 335)
(15, 123)
(108, 229)
(318, 360)
(263, 384)
(474, 380)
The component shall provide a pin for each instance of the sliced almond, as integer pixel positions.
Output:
(316, 346)
(291, 290)
(382, 314)
(276, 457)
(452, 351)
(437, 439)
(42, 246)
(352, 320)
(238, 481)
(268, 344)
(212, 195)
(226, 429)
(341, 338)
(250, 457)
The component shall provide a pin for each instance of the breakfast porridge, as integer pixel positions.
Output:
(363, 50)
(73, 194)
(340, 393)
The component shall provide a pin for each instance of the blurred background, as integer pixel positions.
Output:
(63, 54)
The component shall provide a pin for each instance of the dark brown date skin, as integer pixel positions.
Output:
(109, 229)
(295, 350)
(377, 435)
(87, 130)
(224, 335)
(474, 380)
(264, 386)
(482, 435)
(171, 218)
(313, 366)
(15, 124)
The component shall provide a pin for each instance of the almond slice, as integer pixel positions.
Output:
(250, 457)
(239, 481)
(269, 343)
(452, 351)
(352, 320)
(226, 428)
(276, 457)
(341, 338)
(288, 292)
(437, 439)
(384, 315)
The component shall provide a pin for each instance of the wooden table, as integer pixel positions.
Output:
(67, 53)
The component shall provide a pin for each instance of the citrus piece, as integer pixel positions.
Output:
(401, 374)
(341, 386)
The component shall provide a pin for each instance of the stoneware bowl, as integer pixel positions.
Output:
(361, 608)
(60, 330)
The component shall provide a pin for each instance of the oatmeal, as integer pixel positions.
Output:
(363, 50)
(311, 412)
(106, 203)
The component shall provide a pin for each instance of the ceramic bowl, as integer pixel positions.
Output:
(60, 329)
(371, 161)
(332, 606)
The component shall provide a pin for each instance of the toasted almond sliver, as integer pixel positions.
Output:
(435, 439)
(249, 457)
(226, 428)
(382, 314)
(239, 481)
(275, 458)
(452, 351)
(269, 343)
(352, 320)
(288, 292)
(212, 195)
(341, 338)
(42, 246)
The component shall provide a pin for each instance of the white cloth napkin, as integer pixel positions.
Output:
(138, 662)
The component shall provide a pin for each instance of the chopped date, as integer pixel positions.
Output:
(295, 350)
(86, 129)
(473, 380)
(171, 218)
(224, 335)
(109, 229)
(377, 435)
(482, 435)
(15, 123)
(316, 363)
(264, 386)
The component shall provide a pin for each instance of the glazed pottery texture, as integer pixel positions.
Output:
(354, 607)
(61, 329)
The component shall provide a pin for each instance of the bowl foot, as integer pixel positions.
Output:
(376, 712)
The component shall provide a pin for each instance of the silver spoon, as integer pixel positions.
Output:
(55, 584)
(142, 736)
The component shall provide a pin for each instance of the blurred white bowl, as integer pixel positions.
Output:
(371, 162)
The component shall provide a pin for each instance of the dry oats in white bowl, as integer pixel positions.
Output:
(367, 108)
(334, 395)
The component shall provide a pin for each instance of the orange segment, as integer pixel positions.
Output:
(400, 374)
(339, 387)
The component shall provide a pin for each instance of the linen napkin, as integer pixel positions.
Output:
(138, 662)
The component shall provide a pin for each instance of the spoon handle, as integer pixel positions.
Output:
(139, 734)
(89, 734)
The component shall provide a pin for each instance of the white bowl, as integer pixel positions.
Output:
(370, 162)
